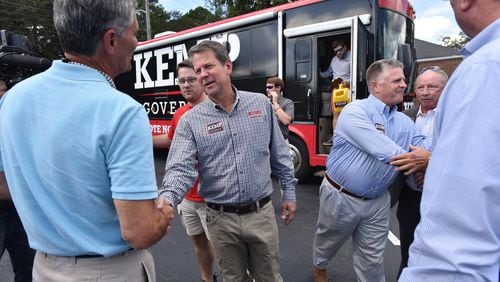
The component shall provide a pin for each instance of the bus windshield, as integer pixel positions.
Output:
(393, 29)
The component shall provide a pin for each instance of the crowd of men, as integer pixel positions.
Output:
(80, 172)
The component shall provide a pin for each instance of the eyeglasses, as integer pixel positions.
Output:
(338, 50)
(270, 86)
(189, 80)
(431, 68)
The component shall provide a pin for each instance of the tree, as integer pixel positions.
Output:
(159, 18)
(32, 18)
(456, 43)
(195, 17)
(231, 8)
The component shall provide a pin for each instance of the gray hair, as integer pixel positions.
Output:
(435, 69)
(219, 50)
(80, 24)
(378, 67)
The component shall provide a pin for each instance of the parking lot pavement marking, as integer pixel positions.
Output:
(394, 240)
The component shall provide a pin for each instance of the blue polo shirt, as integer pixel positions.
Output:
(69, 145)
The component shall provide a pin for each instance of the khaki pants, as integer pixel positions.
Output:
(249, 241)
(133, 266)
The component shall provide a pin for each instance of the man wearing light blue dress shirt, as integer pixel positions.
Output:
(354, 198)
(458, 237)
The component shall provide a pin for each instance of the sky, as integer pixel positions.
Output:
(434, 19)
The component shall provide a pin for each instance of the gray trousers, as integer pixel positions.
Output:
(367, 222)
(133, 266)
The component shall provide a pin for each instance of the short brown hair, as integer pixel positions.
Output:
(338, 42)
(276, 81)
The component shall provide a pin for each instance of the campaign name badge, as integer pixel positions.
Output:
(254, 114)
(380, 127)
(215, 127)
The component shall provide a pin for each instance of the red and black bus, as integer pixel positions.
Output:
(291, 41)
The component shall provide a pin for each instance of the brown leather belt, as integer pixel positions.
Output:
(345, 191)
(243, 209)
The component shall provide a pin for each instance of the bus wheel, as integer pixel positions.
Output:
(300, 158)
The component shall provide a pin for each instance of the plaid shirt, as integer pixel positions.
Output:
(237, 151)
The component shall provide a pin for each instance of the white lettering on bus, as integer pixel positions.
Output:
(159, 129)
(163, 108)
(162, 56)
(164, 70)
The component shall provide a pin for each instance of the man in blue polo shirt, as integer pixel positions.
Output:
(77, 154)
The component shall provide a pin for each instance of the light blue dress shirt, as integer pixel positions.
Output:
(458, 238)
(367, 135)
(237, 151)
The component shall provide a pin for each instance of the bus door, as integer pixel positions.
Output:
(361, 58)
(304, 46)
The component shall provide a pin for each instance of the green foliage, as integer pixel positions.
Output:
(456, 43)
(192, 18)
(231, 8)
(32, 18)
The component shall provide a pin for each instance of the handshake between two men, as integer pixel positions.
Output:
(414, 162)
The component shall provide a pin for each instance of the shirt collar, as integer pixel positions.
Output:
(380, 106)
(106, 76)
(420, 113)
(235, 104)
(488, 34)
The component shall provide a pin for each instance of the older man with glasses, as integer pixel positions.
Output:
(428, 88)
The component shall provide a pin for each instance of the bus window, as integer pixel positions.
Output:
(303, 60)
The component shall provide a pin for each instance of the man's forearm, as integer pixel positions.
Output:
(143, 222)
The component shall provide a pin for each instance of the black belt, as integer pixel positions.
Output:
(98, 256)
(89, 256)
(243, 209)
(345, 191)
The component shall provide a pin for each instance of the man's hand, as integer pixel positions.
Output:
(274, 96)
(166, 208)
(288, 211)
(416, 160)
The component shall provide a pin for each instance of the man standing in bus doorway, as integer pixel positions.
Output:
(428, 87)
(354, 198)
(283, 107)
(235, 138)
(79, 161)
(192, 209)
(340, 72)
(458, 236)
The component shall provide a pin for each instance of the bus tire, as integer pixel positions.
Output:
(300, 158)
